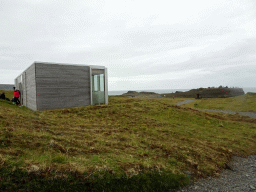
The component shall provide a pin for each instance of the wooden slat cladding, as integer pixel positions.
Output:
(30, 88)
(62, 86)
(55, 70)
(61, 81)
(64, 102)
(50, 92)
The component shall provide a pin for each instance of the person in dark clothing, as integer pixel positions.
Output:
(2, 95)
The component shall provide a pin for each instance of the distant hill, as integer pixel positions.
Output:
(141, 94)
(210, 92)
(6, 87)
(218, 92)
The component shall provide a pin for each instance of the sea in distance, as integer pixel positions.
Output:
(161, 91)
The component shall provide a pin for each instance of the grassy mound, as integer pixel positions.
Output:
(135, 143)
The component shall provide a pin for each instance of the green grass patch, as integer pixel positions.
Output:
(100, 181)
(129, 140)
(245, 102)
(8, 94)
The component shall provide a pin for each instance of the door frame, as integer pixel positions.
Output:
(105, 82)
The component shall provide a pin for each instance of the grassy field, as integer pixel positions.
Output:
(8, 94)
(245, 102)
(132, 144)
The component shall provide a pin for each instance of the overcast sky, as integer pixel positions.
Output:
(159, 44)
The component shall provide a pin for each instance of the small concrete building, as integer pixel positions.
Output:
(46, 86)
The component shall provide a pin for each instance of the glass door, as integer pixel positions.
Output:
(98, 89)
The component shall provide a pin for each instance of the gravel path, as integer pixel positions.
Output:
(241, 178)
(184, 102)
(249, 114)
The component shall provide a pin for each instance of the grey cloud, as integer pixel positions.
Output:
(93, 32)
(240, 54)
(232, 77)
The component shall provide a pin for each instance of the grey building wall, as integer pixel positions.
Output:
(29, 88)
(62, 86)
(26, 84)
(24, 92)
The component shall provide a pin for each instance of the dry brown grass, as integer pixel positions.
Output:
(129, 134)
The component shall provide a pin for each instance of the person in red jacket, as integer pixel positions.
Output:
(16, 96)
